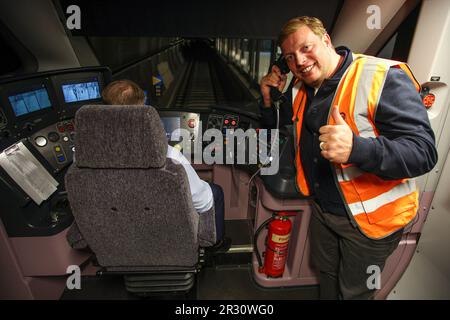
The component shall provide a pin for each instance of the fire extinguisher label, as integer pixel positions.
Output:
(280, 238)
(278, 262)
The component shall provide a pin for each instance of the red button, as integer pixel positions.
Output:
(428, 100)
(233, 123)
(226, 121)
(191, 123)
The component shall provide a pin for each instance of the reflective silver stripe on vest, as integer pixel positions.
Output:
(361, 110)
(368, 206)
(295, 91)
(347, 174)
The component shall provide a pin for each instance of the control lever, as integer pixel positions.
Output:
(59, 207)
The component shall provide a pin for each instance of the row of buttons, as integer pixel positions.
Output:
(59, 153)
(65, 126)
(230, 120)
(53, 136)
(61, 136)
(233, 122)
(41, 141)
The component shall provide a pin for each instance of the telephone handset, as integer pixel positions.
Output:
(275, 94)
(281, 63)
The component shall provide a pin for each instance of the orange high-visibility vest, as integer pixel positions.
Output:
(379, 207)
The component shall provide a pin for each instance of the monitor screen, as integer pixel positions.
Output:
(30, 101)
(82, 91)
(170, 125)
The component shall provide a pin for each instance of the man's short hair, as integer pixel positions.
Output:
(123, 92)
(314, 24)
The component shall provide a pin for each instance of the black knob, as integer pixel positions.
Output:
(53, 136)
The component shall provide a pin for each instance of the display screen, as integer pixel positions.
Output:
(170, 125)
(74, 92)
(30, 101)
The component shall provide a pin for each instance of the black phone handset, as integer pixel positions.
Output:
(277, 98)
(275, 94)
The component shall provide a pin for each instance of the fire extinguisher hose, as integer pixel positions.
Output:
(255, 239)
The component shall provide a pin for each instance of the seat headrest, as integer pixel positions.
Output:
(119, 137)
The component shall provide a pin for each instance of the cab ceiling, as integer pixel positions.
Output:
(195, 18)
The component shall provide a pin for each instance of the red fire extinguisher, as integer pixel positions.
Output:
(279, 231)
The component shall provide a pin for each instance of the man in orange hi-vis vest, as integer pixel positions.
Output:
(361, 133)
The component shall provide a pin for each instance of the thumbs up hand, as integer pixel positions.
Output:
(336, 141)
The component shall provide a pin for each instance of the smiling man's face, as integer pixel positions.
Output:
(309, 56)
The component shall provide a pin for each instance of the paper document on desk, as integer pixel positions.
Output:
(28, 172)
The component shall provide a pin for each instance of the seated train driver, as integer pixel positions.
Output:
(204, 195)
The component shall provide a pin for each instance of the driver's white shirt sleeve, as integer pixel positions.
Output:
(202, 196)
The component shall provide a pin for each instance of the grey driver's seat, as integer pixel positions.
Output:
(132, 205)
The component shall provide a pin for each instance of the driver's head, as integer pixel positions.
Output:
(123, 92)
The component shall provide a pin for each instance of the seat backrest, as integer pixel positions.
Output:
(132, 204)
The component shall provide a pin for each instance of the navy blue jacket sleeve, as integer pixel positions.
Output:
(405, 147)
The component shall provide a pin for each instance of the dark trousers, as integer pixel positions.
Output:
(345, 257)
(219, 207)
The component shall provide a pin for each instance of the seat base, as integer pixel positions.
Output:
(150, 281)
(155, 284)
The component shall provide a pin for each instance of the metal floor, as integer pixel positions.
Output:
(226, 277)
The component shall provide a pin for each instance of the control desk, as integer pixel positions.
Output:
(36, 114)
(227, 121)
